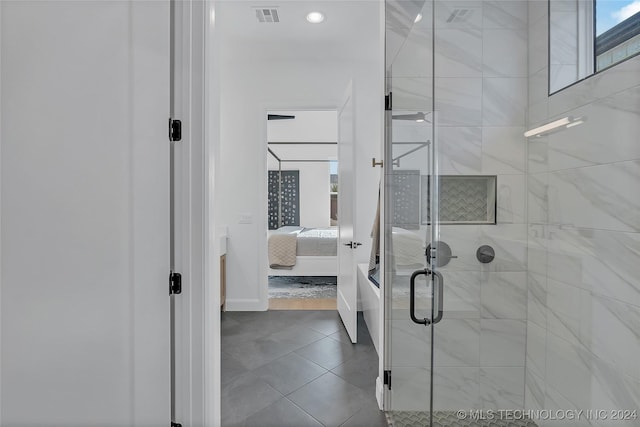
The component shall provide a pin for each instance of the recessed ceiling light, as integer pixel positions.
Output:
(418, 18)
(315, 17)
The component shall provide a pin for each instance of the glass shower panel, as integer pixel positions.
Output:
(455, 210)
(409, 135)
(479, 229)
(534, 240)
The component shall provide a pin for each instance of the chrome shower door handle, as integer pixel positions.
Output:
(438, 283)
(439, 280)
(412, 296)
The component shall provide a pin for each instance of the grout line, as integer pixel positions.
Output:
(294, 404)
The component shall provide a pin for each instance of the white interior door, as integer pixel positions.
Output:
(85, 213)
(347, 285)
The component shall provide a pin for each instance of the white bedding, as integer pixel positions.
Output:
(311, 241)
(408, 246)
(318, 242)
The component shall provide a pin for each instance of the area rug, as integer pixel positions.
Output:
(302, 286)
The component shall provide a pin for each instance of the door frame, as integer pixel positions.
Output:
(197, 308)
(263, 255)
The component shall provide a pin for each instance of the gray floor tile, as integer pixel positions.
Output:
(269, 354)
(361, 370)
(253, 353)
(283, 413)
(230, 368)
(368, 416)
(363, 333)
(363, 337)
(296, 335)
(243, 396)
(295, 316)
(239, 333)
(251, 327)
(328, 352)
(227, 322)
(329, 399)
(327, 323)
(343, 336)
(289, 372)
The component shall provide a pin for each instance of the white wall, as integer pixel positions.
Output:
(253, 85)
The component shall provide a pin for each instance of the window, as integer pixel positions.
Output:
(587, 36)
(617, 31)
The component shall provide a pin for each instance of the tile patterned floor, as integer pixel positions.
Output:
(449, 419)
(297, 369)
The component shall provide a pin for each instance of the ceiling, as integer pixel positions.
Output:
(351, 29)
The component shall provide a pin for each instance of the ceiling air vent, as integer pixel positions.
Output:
(459, 15)
(269, 14)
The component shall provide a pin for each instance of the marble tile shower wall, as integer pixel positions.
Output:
(583, 318)
(481, 101)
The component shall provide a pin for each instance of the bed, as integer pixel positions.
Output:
(301, 251)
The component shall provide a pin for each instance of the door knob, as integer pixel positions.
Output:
(353, 245)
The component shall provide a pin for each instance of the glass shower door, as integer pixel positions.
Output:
(455, 230)
(479, 236)
(409, 290)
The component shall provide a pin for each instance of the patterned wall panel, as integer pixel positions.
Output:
(406, 199)
(290, 198)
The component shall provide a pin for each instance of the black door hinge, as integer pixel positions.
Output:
(175, 424)
(175, 130)
(387, 102)
(387, 379)
(175, 283)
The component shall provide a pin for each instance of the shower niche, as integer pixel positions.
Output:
(463, 199)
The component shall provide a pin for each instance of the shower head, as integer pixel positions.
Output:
(416, 117)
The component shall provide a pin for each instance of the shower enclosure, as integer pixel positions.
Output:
(457, 319)
(500, 307)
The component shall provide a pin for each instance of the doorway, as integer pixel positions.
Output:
(473, 356)
(302, 150)
(285, 68)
